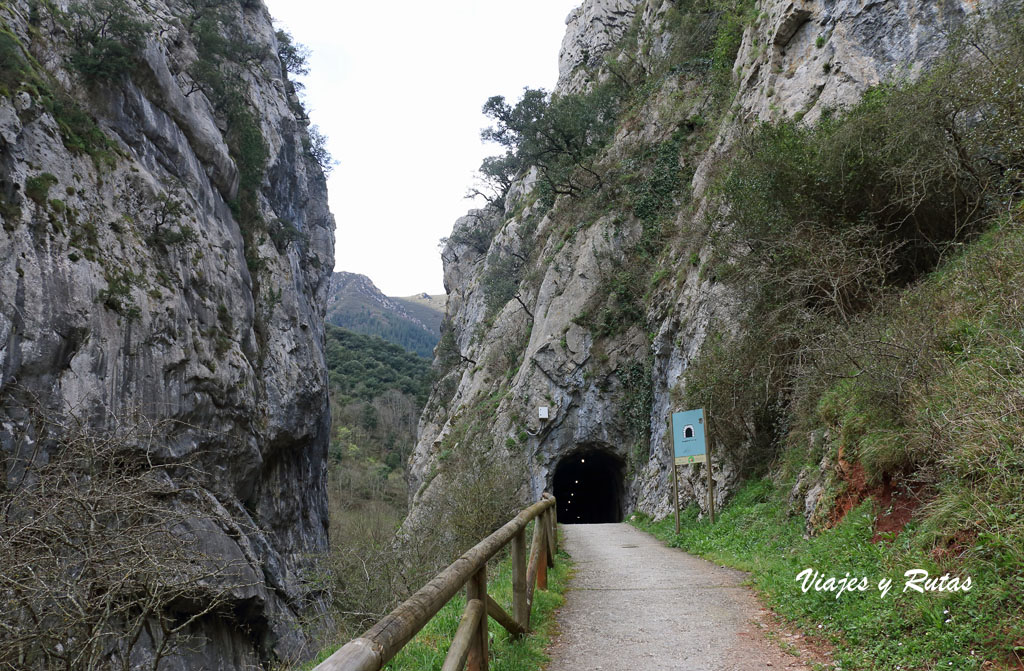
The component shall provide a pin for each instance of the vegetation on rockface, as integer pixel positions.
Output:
(904, 629)
(222, 58)
(107, 38)
(880, 359)
(558, 135)
(19, 71)
(100, 551)
(875, 198)
(566, 137)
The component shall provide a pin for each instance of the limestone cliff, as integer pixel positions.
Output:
(165, 252)
(609, 375)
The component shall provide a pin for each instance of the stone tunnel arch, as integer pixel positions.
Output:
(590, 487)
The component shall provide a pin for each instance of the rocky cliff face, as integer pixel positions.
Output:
(610, 378)
(165, 253)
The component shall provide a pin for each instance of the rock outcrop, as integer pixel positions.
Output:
(165, 252)
(609, 391)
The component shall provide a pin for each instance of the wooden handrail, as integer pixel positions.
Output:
(382, 641)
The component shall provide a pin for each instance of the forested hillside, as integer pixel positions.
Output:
(356, 304)
(362, 367)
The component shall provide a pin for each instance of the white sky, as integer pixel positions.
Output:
(397, 87)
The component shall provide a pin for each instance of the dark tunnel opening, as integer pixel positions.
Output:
(589, 488)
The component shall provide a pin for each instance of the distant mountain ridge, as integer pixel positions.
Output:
(412, 322)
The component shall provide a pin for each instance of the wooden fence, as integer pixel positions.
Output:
(382, 641)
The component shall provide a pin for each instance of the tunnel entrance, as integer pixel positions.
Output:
(589, 488)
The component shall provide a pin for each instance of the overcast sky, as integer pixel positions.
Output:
(397, 87)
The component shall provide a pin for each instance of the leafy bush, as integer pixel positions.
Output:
(107, 39)
(16, 69)
(874, 198)
(560, 135)
(316, 146)
(38, 188)
(99, 546)
(293, 56)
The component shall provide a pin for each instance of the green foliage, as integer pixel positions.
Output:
(728, 36)
(874, 198)
(79, 131)
(364, 367)
(478, 236)
(963, 630)
(315, 146)
(118, 294)
(38, 188)
(284, 233)
(107, 38)
(935, 375)
(654, 181)
(653, 197)
(15, 69)
(637, 386)
(293, 55)
(222, 55)
(501, 281)
(391, 327)
(560, 135)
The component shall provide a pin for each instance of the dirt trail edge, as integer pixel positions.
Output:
(636, 604)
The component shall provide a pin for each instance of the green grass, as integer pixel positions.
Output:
(900, 631)
(429, 647)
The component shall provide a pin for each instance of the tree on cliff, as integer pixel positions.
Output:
(559, 134)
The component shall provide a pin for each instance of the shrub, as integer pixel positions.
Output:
(560, 135)
(107, 38)
(316, 147)
(873, 199)
(293, 56)
(99, 546)
(15, 70)
(38, 188)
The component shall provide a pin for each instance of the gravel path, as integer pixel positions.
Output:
(636, 604)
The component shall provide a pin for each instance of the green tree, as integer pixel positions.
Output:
(559, 134)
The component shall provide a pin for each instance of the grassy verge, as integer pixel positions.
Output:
(902, 630)
(428, 649)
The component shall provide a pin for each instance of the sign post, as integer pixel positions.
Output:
(690, 446)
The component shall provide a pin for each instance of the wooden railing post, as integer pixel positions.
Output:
(554, 527)
(549, 533)
(520, 603)
(476, 588)
(469, 625)
(542, 562)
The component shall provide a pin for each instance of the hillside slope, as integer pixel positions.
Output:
(357, 304)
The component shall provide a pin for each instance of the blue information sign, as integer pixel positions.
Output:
(688, 437)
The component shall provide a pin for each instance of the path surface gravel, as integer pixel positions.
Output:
(636, 604)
